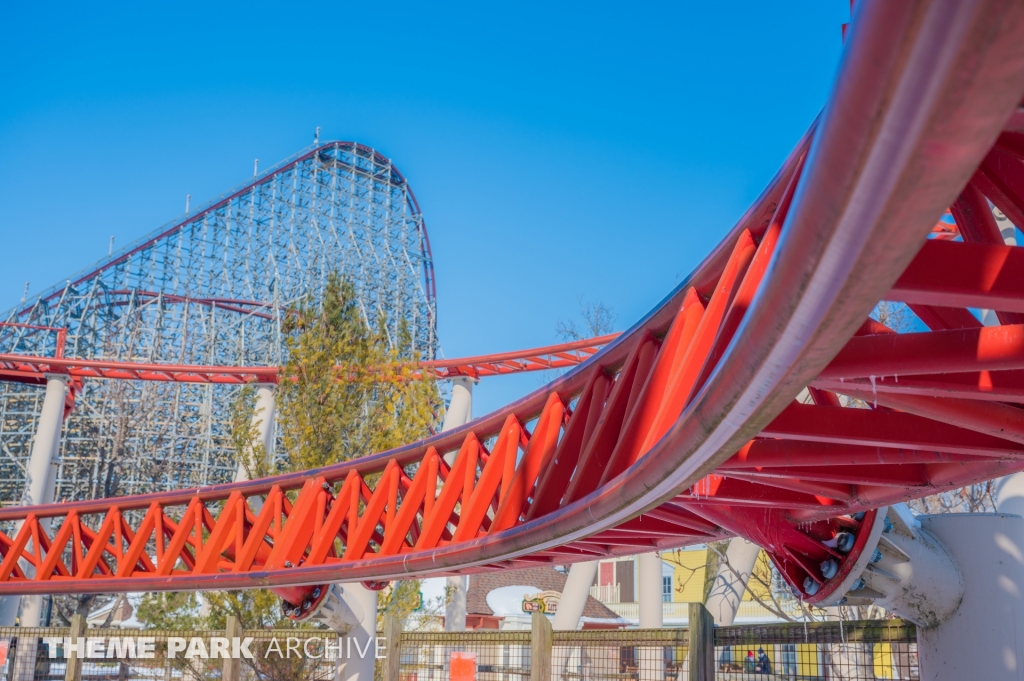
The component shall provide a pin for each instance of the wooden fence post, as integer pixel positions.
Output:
(392, 647)
(232, 666)
(702, 643)
(73, 671)
(541, 642)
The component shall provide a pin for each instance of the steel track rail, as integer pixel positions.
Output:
(21, 368)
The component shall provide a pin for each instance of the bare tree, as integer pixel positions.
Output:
(896, 316)
(979, 498)
(596, 319)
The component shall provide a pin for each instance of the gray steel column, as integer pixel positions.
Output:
(264, 422)
(958, 576)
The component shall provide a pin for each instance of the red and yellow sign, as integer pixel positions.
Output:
(545, 602)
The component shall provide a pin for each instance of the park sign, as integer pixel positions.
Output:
(545, 602)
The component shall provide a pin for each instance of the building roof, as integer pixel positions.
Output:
(544, 578)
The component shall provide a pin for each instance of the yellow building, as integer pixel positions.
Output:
(690, 570)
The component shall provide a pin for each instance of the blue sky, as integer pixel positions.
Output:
(557, 151)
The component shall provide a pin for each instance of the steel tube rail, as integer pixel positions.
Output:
(28, 368)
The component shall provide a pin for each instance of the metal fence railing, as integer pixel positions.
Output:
(493, 655)
(616, 654)
(832, 651)
(847, 651)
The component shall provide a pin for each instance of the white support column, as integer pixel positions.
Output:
(357, 660)
(649, 573)
(734, 571)
(981, 640)
(1006, 228)
(574, 596)
(1009, 494)
(455, 607)
(460, 408)
(359, 645)
(42, 465)
(570, 611)
(652, 663)
(40, 488)
(263, 422)
(459, 412)
(989, 550)
(959, 577)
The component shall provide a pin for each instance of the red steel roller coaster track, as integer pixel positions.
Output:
(686, 427)
(28, 369)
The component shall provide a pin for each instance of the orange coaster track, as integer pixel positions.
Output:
(686, 428)
(28, 369)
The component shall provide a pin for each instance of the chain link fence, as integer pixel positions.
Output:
(832, 651)
(837, 651)
(493, 655)
(641, 654)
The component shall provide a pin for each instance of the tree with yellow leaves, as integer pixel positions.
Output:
(347, 389)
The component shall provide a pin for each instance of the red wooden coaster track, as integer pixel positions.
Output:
(686, 427)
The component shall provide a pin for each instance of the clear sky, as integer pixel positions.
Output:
(557, 150)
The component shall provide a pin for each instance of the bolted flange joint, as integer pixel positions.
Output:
(329, 605)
